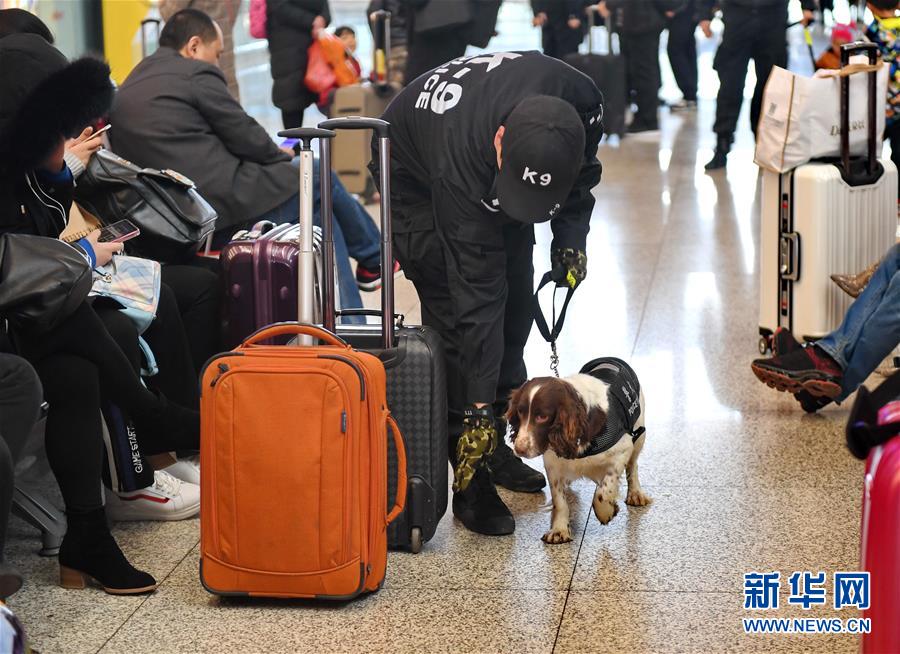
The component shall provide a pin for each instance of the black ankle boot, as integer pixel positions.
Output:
(511, 472)
(89, 551)
(480, 509)
(10, 581)
(720, 156)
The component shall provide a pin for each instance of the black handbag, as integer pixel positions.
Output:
(42, 281)
(173, 217)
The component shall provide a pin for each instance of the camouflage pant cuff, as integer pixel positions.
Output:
(475, 443)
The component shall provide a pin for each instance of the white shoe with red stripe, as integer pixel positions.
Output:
(167, 499)
(186, 469)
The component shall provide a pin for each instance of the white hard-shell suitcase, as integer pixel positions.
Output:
(820, 219)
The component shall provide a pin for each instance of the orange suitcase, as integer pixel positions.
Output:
(294, 458)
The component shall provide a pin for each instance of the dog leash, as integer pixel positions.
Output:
(550, 334)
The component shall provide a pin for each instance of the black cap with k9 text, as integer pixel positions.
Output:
(543, 149)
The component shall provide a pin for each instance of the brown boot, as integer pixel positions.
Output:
(853, 285)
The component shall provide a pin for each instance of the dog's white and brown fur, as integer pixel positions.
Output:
(558, 418)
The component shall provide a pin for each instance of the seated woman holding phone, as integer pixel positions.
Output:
(80, 360)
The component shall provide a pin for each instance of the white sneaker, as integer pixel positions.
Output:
(186, 469)
(167, 499)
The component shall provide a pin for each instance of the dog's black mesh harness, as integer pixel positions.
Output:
(624, 398)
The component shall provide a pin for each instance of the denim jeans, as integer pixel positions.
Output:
(871, 328)
(355, 234)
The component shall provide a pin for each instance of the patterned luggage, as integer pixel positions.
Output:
(414, 360)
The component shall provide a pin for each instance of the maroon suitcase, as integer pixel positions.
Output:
(260, 279)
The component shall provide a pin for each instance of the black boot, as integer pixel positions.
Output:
(89, 551)
(10, 581)
(511, 472)
(720, 156)
(480, 509)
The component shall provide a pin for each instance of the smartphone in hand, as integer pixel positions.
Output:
(119, 232)
(98, 132)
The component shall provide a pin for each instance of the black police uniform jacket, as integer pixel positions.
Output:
(442, 143)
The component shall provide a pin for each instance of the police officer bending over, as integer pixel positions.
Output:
(483, 147)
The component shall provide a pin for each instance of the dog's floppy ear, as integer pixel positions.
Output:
(596, 421)
(512, 414)
(570, 425)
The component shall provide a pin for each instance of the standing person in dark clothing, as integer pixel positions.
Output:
(482, 149)
(682, 51)
(639, 24)
(562, 24)
(436, 33)
(291, 26)
(754, 29)
(440, 30)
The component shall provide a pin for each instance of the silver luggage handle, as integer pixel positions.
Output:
(306, 255)
(789, 256)
(381, 129)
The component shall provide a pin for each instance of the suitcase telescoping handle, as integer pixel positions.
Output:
(847, 51)
(400, 497)
(382, 68)
(381, 129)
(306, 255)
(592, 13)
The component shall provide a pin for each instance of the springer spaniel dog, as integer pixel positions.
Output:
(587, 425)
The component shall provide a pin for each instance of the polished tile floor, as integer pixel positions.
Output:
(741, 479)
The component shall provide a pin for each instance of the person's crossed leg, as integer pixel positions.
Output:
(835, 366)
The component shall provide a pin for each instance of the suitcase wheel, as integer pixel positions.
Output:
(765, 345)
(415, 540)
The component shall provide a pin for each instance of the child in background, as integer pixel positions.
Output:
(884, 31)
(831, 58)
(348, 37)
(347, 70)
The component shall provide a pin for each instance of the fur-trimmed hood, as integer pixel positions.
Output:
(44, 98)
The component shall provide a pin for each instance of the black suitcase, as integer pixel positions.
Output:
(609, 74)
(414, 360)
